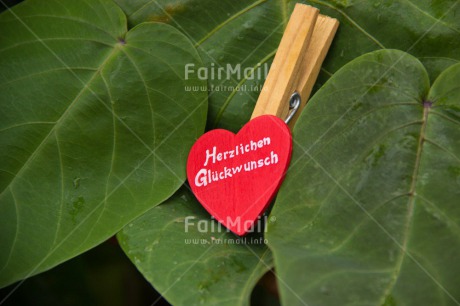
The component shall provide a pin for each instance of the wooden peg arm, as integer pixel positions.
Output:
(280, 82)
(297, 62)
(321, 40)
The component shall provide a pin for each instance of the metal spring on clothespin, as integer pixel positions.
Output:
(294, 104)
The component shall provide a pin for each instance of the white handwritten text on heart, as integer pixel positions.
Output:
(205, 176)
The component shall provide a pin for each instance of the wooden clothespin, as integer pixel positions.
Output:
(297, 62)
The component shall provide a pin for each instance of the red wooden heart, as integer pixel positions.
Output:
(235, 176)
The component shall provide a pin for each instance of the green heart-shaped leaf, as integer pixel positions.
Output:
(247, 33)
(192, 260)
(368, 213)
(95, 127)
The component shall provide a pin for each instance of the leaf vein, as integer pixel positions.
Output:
(54, 39)
(228, 20)
(60, 120)
(354, 23)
